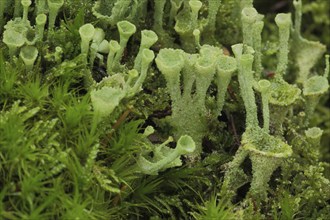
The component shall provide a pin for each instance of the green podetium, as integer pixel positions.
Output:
(40, 23)
(265, 151)
(184, 70)
(29, 55)
(225, 69)
(267, 154)
(126, 30)
(54, 7)
(114, 47)
(186, 118)
(158, 16)
(14, 40)
(249, 17)
(313, 136)
(112, 89)
(17, 8)
(283, 22)
(20, 29)
(98, 38)
(195, 6)
(146, 58)
(186, 23)
(264, 87)
(283, 95)
(86, 34)
(41, 6)
(175, 6)
(170, 62)
(148, 38)
(213, 8)
(246, 80)
(26, 4)
(110, 12)
(204, 74)
(115, 88)
(306, 53)
(105, 100)
(252, 26)
(314, 88)
(165, 157)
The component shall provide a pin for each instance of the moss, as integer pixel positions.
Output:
(87, 118)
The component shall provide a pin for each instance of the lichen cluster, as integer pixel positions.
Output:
(164, 109)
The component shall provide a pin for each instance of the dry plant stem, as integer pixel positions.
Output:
(119, 121)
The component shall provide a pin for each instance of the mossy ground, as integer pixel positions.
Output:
(56, 163)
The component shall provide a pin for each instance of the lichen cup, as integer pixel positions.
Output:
(29, 55)
(266, 153)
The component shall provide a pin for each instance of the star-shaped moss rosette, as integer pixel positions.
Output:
(110, 12)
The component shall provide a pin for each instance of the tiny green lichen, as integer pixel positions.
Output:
(306, 52)
(313, 89)
(165, 157)
(266, 152)
(54, 6)
(91, 128)
(113, 11)
(195, 69)
(86, 34)
(29, 55)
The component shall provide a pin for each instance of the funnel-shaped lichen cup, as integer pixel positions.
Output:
(29, 55)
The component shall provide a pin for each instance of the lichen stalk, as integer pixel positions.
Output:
(114, 48)
(54, 7)
(245, 81)
(40, 26)
(126, 30)
(213, 9)
(283, 21)
(249, 17)
(225, 69)
(158, 16)
(265, 93)
(257, 46)
(17, 8)
(175, 6)
(26, 4)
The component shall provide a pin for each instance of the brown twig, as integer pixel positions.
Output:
(120, 120)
